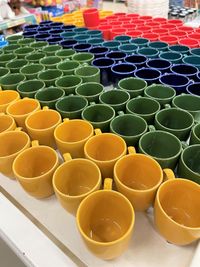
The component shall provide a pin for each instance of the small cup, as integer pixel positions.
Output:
(7, 97)
(112, 45)
(144, 107)
(50, 62)
(176, 211)
(69, 188)
(31, 71)
(105, 149)
(176, 121)
(7, 123)
(195, 135)
(20, 110)
(68, 83)
(182, 49)
(160, 46)
(11, 144)
(41, 124)
(15, 65)
(106, 244)
(26, 42)
(65, 53)
(10, 81)
(49, 96)
(116, 99)
(4, 72)
(91, 91)
(122, 70)
(71, 106)
(23, 51)
(193, 89)
(6, 58)
(117, 56)
(129, 49)
(42, 161)
(88, 74)
(49, 77)
(134, 86)
(68, 67)
(35, 57)
(83, 57)
(52, 49)
(13, 39)
(98, 51)
(29, 88)
(71, 136)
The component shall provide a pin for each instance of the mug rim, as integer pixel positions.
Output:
(146, 98)
(86, 83)
(68, 96)
(117, 90)
(158, 98)
(186, 96)
(194, 133)
(49, 88)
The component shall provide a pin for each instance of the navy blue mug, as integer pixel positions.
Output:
(43, 29)
(193, 89)
(82, 47)
(105, 65)
(31, 27)
(67, 28)
(55, 33)
(176, 81)
(30, 34)
(68, 43)
(117, 56)
(121, 71)
(160, 64)
(45, 23)
(149, 75)
(99, 51)
(54, 40)
(56, 24)
(186, 70)
(42, 36)
(138, 60)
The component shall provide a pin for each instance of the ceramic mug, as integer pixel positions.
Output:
(34, 169)
(15, 65)
(105, 149)
(65, 53)
(105, 65)
(88, 74)
(106, 209)
(50, 50)
(49, 77)
(83, 57)
(74, 180)
(68, 83)
(68, 67)
(90, 90)
(134, 86)
(35, 57)
(7, 97)
(7, 123)
(29, 88)
(149, 75)
(50, 62)
(10, 81)
(6, 58)
(4, 71)
(195, 135)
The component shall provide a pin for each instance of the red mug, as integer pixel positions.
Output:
(91, 17)
(143, 29)
(171, 40)
(176, 22)
(151, 36)
(195, 36)
(105, 31)
(160, 31)
(134, 33)
(191, 43)
(186, 29)
(160, 20)
(178, 33)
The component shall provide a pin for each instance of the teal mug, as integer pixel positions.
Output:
(192, 60)
(31, 71)
(173, 57)
(134, 86)
(140, 42)
(90, 90)
(112, 45)
(123, 39)
(29, 88)
(148, 52)
(160, 46)
(182, 49)
(129, 49)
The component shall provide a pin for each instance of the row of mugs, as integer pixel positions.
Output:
(70, 136)
(108, 227)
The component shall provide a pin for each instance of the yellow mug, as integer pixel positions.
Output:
(105, 149)
(71, 136)
(7, 123)
(105, 220)
(7, 97)
(20, 110)
(138, 177)
(11, 144)
(177, 211)
(41, 124)
(74, 180)
(34, 169)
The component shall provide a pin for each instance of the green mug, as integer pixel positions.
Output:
(8, 49)
(13, 39)
(4, 72)
(134, 86)
(65, 53)
(15, 65)
(39, 45)
(49, 96)
(188, 166)
(85, 57)
(6, 58)
(90, 90)
(29, 88)
(35, 57)
(68, 83)
(68, 67)
(176, 121)
(88, 74)
(52, 49)
(190, 103)
(173, 57)
(161, 93)
(144, 107)
(99, 115)
(49, 77)
(23, 51)
(26, 42)
(164, 147)
(195, 135)
(11, 81)
(71, 106)
(129, 126)
(31, 71)
(50, 62)
(117, 99)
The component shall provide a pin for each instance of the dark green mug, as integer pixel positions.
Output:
(160, 46)
(71, 106)
(11, 81)
(188, 166)
(65, 53)
(85, 57)
(35, 57)
(10, 48)
(68, 67)
(134, 86)
(117, 99)
(68, 83)
(49, 77)
(39, 45)
(30, 88)
(129, 126)
(52, 49)
(4, 72)
(173, 57)
(6, 58)
(15, 65)
(195, 135)
(90, 90)
(88, 74)
(23, 51)
(31, 71)
(49, 96)
(50, 62)
(26, 42)
(13, 39)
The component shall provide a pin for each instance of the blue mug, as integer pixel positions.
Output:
(42, 36)
(98, 51)
(122, 70)
(159, 64)
(56, 24)
(54, 40)
(68, 43)
(31, 34)
(117, 56)
(43, 29)
(193, 89)
(186, 70)
(55, 33)
(31, 27)
(68, 27)
(105, 65)
(45, 23)
(138, 60)
(149, 75)
(82, 47)
(176, 81)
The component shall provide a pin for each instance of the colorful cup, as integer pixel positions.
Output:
(138, 60)
(148, 52)
(30, 88)
(105, 65)
(7, 123)
(65, 53)
(68, 83)
(195, 135)
(68, 67)
(133, 86)
(173, 57)
(49, 77)
(159, 64)
(7, 97)
(23, 51)
(90, 90)
(10, 81)
(193, 89)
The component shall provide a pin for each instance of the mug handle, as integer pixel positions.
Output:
(120, 113)
(45, 108)
(18, 129)
(168, 174)
(131, 150)
(107, 185)
(97, 131)
(35, 143)
(66, 120)
(67, 157)
(152, 128)
(167, 106)
(184, 144)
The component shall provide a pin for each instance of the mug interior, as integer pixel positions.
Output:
(89, 89)
(114, 97)
(98, 113)
(187, 102)
(143, 106)
(191, 158)
(71, 103)
(160, 91)
(22, 107)
(8, 96)
(5, 122)
(43, 119)
(132, 84)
